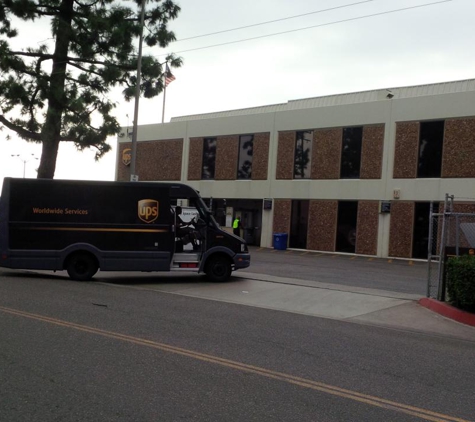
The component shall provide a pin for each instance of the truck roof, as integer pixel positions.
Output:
(177, 190)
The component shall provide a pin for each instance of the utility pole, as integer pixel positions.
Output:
(134, 177)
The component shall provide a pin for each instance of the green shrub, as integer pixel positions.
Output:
(461, 282)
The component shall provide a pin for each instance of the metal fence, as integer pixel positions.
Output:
(450, 234)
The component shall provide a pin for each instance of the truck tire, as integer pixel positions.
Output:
(81, 266)
(218, 268)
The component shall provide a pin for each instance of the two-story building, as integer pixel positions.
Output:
(352, 173)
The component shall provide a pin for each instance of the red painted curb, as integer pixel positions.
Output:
(448, 311)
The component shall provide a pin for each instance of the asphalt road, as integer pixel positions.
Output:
(405, 276)
(119, 352)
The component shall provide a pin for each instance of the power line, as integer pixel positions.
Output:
(275, 20)
(311, 27)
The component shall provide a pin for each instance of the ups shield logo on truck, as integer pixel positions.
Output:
(148, 210)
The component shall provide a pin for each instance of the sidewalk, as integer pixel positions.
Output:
(398, 311)
(351, 272)
(372, 307)
(395, 310)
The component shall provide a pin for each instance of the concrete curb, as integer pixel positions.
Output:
(448, 311)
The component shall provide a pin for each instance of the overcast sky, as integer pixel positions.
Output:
(339, 54)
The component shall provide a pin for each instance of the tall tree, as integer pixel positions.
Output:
(59, 93)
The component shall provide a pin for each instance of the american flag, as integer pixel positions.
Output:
(169, 78)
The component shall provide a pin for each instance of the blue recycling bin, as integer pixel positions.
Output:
(280, 241)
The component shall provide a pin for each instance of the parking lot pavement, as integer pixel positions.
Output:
(392, 275)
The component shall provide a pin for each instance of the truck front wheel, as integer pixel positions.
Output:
(218, 268)
(81, 266)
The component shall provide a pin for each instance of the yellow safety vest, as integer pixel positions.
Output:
(236, 224)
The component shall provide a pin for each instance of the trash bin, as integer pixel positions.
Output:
(280, 241)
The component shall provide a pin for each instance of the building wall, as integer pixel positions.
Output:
(372, 152)
(402, 225)
(226, 157)
(327, 153)
(156, 160)
(458, 159)
(405, 154)
(285, 155)
(260, 163)
(389, 158)
(367, 228)
(195, 159)
(282, 213)
(322, 225)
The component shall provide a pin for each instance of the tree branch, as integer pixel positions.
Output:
(40, 55)
(25, 134)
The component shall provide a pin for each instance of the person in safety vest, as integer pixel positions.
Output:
(237, 226)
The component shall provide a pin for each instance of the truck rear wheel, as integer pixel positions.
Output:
(81, 266)
(218, 268)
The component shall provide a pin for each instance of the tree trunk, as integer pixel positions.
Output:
(51, 131)
(49, 154)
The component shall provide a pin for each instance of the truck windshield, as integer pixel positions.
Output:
(205, 213)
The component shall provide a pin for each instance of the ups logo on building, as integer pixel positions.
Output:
(148, 210)
(127, 156)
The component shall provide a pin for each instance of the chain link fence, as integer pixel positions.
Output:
(450, 234)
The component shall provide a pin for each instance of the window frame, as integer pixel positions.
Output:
(345, 159)
(428, 171)
(240, 150)
(205, 163)
(307, 170)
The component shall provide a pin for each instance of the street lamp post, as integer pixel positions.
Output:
(24, 161)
